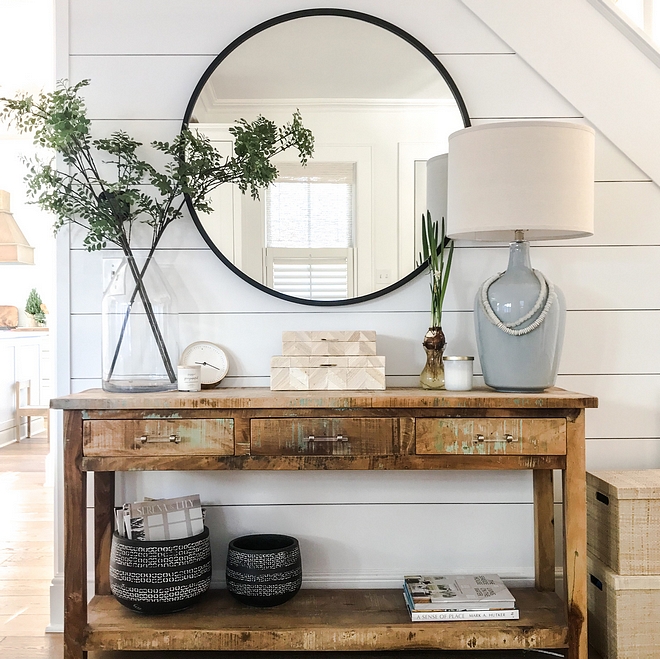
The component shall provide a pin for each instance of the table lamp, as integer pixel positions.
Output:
(519, 181)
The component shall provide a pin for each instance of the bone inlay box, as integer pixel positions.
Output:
(329, 343)
(332, 360)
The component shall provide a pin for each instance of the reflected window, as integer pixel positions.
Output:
(309, 226)
(311, 206)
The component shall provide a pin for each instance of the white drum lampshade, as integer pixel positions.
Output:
(519, 181)
(535, 176)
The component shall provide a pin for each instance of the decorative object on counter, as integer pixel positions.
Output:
(35, 310)
(438, 252)
(109, 210)
(14, 247)
(264, 569)
(189, 377)
(327, 360)
(132, 359)
(520, 181)
(458, 373)
(160, 576)
(8, 317)
(210, 357)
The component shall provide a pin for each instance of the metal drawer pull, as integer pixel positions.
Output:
(145, 439)
(508, 438)
(338, 438)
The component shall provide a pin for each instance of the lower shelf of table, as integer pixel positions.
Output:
(321, 620)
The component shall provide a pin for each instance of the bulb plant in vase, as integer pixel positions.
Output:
(106, 187)
(438, 251)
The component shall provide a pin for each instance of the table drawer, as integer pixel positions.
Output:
(491, 436)
(156, 437)
(324, 436)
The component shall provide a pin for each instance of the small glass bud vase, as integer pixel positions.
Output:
(433, 375)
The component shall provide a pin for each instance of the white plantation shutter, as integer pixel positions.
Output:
(309, 230)
(325, 274)
(311, 206)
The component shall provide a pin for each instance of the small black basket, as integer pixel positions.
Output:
(264, 569)
(160, 576)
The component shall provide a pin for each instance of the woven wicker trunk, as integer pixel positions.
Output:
(623, 520)
(624, 613)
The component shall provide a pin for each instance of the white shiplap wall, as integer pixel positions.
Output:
(144, 59)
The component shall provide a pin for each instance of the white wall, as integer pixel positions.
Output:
(144, 59)
(26, 65)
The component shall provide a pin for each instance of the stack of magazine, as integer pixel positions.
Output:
(465, 597)
(161, 519)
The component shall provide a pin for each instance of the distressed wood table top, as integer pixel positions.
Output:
(255, 397)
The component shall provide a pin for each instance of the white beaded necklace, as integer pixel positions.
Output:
(508, 328)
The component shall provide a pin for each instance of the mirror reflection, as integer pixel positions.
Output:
(347, 224)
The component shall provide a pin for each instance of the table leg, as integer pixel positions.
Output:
(75, 539)
(544, 530)
(575, 538)
(104, 502)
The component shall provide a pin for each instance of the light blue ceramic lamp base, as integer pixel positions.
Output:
(527, 363)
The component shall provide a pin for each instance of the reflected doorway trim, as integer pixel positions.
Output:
(347, 13)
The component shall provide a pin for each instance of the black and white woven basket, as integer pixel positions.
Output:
(160, 576)
(264, 569)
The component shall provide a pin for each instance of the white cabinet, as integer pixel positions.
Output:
(24, 355)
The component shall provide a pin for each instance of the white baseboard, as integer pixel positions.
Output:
(57, 604)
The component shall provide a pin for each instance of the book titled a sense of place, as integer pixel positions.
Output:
(459, 597)
(439, 616)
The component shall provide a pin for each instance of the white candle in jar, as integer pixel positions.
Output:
(458, 373)
(189, 378)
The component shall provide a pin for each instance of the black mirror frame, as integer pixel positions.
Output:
(347, 13)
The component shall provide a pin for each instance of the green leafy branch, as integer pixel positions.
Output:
(108, 209)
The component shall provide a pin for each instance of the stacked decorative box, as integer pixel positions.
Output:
(327, 360)
(623, 539)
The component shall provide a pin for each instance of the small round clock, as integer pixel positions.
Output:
(210, 357)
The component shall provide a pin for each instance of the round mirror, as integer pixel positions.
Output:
(347, 226)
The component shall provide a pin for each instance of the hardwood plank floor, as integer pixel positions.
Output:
(26, 569)
(26, 552)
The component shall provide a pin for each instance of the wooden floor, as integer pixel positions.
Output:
(26, 570)
(26, 552)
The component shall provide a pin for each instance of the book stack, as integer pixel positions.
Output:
(160, 519)
(465, 597)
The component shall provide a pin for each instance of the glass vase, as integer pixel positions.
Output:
(433, 374)
(140, 329)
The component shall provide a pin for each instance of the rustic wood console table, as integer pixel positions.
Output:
(259, 429)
